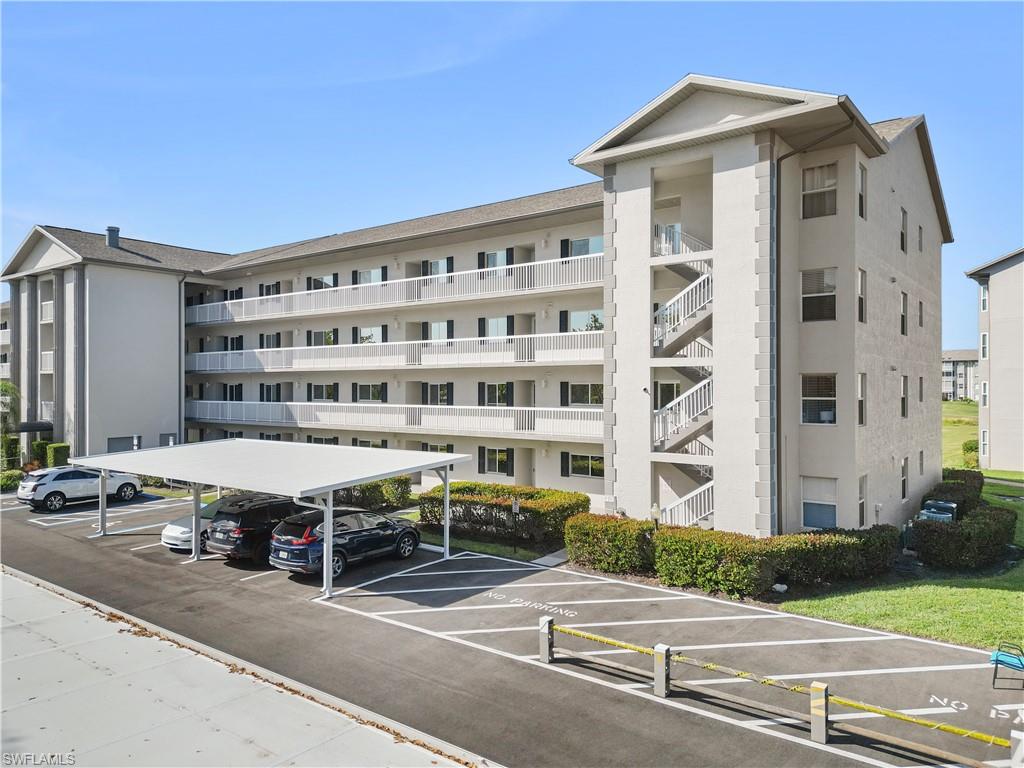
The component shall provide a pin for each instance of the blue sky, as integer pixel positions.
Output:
(234, 126)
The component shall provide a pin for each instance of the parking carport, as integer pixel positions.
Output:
(297, 470)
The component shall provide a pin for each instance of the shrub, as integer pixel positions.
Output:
(977, 540)
(9, 479)
(57, 454)
(969, 446)
(715, 561)
(10, 451)
(879, 548)
(971, 479)
(397, 491)
(152, 481)
(963, 495)
(486, 509)
(971, 460)
(39, 452)
(611, 544)
(811, 558)
(390, 493)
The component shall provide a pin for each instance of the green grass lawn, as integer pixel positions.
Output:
(979, 611)
(178, 493)
(1004, 474)
(483, 547)
(959, 423)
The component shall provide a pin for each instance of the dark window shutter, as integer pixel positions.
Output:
(424, 446)
(355, 441)
(510, 325)
(309, 438)
(450, 447)
(335, 280)
(355, 277)
(262, 396)
(509, 396)
(202, 344)
(451, 394)
(277, 287)
(384, 332)
(277, 392)
(481, 460)
(424, 268)
(563, 387)
(510, 255)
(309, 283)
(384, 443)
(563, 321)
(481, 260)
(337, 391)
(355, 392)
(481, 327)
(424, 393)
(384, 392)
(335, 336)
(277, 339)
(511, 469)
(261, 289)
(449, 264)
(565, 463)
(450, 329)
(309, 338)
(424, 330)
(355, 335)
(564, 252)
(224, 391)
(225, 294)
(481, 393)
(309, 391)
(261, 341)
(384, 274)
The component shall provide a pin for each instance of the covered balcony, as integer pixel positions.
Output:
(5, 337)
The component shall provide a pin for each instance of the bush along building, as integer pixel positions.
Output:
(734, 326)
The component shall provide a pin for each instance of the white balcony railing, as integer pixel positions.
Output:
(671, 240)
(529, 277)
(524, 423)
(683, 306)
(5, 370)
(46, 410)
(46, 312)
(684, 410)
(691, 508)
(46, 361)
(536, 349)
(5, 336)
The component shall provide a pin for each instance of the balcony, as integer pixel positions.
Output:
(671, 240)
(46, 410)
(46, 361)
(5, 370)
(5, 337)
(499, 282)
(573, 348)
(575, 424)
(46, 312)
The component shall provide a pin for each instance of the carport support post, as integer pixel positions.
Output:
(328, 545)
(547, 639)
(447, 511)
(819, 713)
(1016, 749)
(662, 669)
(197, 507)
(103, 502)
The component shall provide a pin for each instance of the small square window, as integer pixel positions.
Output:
(819, 191)
(818, 294)
(818, 398)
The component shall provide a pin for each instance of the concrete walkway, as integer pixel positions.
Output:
(76, 683)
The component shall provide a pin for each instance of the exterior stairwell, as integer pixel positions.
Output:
(685, 418)
(685, 318)
(694, 508)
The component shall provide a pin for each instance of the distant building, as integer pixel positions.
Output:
(1001, 361)
(959, 374)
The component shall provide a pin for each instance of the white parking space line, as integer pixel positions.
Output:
(262, 573)
(347, 590)
(497, 606)
(202, 557)
(855, 715)
(769, 643)
(463, 589)
(146, 546)
(619, 600)
(533, 628)
(847, 673)
(417, 574)
(122, 531)
(1010, 707)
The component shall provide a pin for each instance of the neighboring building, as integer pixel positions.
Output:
(5, 340)
(1001, 361)
(571, 338)
(959, 374)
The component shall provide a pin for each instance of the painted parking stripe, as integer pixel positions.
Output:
(496, 606)
(146, 546)
(533, 628)
(847, 673)
(856, 715)
(463, 589)
(768, 643)
(121, 531)
(619, 600)
(361, 585)
(262, 573)
(530, 569)
(1010, 707)
(202, 557)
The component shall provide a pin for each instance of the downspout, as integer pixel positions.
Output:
(778, 311)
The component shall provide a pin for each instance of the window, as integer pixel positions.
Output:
(984, 442)
(862, 500)
(905, 478)
(496, 326)
(585, 246)
(862, 296)
(3, 325)
(818, 495)
(920, 239)
(819, 191)
(862, 395)
(903, 229)
(275, 436)
(370, 393)
(322, 338)
(984, 297)
(233, 343)
(496, 461)
(360, 443)
(585, 466)
(818, 294)
(270, 393)
(438, 330)
(586, 394)
(438, 448)
(323, 392)
(270, 289)
(903, 313)
(270, 340)
(232, 392)
(818, 398)
(920, 389)
(496, 394)
(321, 282)
(984, 346)
(438, 394)
(862, 194)
(984, 394)
(495, 258)
(366, 276)
(920, 462)
(904, 388)
(233, 435)
(586, 320)
(373, 334)
(920, 314)
(435, 267)
(232, 294)
(665, 392)
(319, 440)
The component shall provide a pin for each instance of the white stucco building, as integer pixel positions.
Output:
(1001, 361)
(960, 374)
(735, 325)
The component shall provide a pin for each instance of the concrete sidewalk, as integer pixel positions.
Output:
(76, 683)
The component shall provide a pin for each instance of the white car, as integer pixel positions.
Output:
(53, 488)
(177, 534)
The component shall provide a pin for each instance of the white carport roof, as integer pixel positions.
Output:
(286, 469)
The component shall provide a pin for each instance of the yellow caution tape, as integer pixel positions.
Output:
(603, 640)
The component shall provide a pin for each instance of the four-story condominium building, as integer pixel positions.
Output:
(960, 374)
(736, 325)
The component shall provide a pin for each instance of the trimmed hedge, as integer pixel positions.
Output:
(611, 544)
(969, 446)
(485, 509)
(828, 555)
(9, 479)
(977, 540)
(39, 451)
(10, 450)
(57, 454)
(715, 561)
(390, 493)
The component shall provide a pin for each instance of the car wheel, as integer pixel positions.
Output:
(55, 501)
(262, 553)
(126, 492)
(406, 546)
(337, 564)
(203, 538)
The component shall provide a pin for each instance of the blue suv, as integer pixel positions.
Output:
(297, 543)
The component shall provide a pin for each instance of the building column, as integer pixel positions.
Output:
(75, 364)
(15, 326)
(58, 356)
(28, 362)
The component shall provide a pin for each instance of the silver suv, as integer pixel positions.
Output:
(52, 488)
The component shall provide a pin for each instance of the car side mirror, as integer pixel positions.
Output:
(383, 524)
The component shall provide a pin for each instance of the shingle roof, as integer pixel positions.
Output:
(890, 129)
(984, 269)
(140, 253)
(959, 354)
(582, 196)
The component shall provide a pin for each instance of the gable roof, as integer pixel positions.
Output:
(556, 201)
(984, 270)
(960, 354)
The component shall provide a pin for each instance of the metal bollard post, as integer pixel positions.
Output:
(547, 639)
(662, 669)
(1016, 749)
(819, 713)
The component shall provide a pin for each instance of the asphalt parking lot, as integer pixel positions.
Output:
(451, 649)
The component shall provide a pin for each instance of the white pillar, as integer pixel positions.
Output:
(328, 545)
(197, 506)
(103, 502)
(819, 712)
(447, 512)
(662, 670)
(547, 639)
